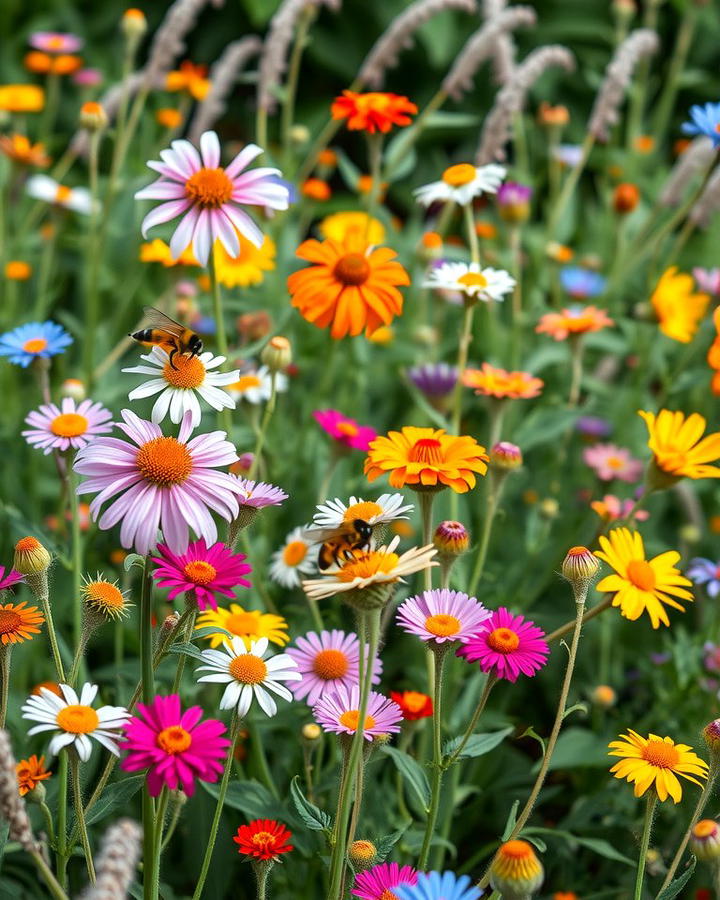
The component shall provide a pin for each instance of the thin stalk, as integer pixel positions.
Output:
(150, 859)
(410, 135)
(267, 415)
(576, 355)
(52, 97)
(93, 259)
(569, 186)
(516, 256)
(261, 874)
(53, 885)
(427, 498)
(644, 844)
(677, 64)
(177, 809)
(261, 129)
(146, 636)
(188, 633)
(77, 661)
(77, 793)
(462, 358)
(437, 772)
(76, 538)
(160, 823)
(590, 614)
(49, 824)
(490, 682)
(259, 758)
(375, 146)
(494, 491)
(62, 852)
(291, 83)
(224, 418)
(47, 612)
(5, 652)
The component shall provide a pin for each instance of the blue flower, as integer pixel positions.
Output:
(581, 283)
(437, 886)
(705, 120)
(707, 572)
(32, 341)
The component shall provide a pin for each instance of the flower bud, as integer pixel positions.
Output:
(451, 538)
(711, 735)
(516, 872)
(299, 135)
(552, 116)
(549, 508)
(604, 696)
(133, 24)
(327, 158)
(362, 854)
(17, 270)
(579, 565)
(93, 116)
(513, 201)
(31, 558)
(505, 456)
(316, 189)
(690, 533)
(626, 197)
(624, 9)
(311, 732)
(36, 794)
(559, 253)
(277, 354)
(170, 623)
(430, 246)
(73, 388)
(705, 840)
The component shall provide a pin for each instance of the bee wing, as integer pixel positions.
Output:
(319, 535)
(159, 320)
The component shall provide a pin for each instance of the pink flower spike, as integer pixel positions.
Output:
(610, 462)
(340, 713)
(68, 427)
(508, 646)
(378, 882)
(344, 430)
(175, 747)
(201, 571)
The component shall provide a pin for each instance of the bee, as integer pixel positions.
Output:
(170, 335)
(339, 543)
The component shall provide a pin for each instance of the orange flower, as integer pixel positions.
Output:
(494, 382)
(19, 622)
(327, 158)
(553, 115)
(365, 183)
(626, 197)
(159, 251)
(30, 772)
(427, 458)
(373, 111)
(485, 230)
(678, 446)
(559, 252)
(18, 148)
(573, 321)
(169, 118)
(21, 98)
(644, 143)
(17, 270)
(44, 64)
(677, 308)
(316, 189)
(352, 287)
(190, 78)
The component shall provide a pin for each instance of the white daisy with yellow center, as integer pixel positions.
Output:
(255, 385)
(471, 280)
(180, 384)
(42, 187)
(249, 673)
(297, 557)
(75, 720)
(462, 183)
(387, 508)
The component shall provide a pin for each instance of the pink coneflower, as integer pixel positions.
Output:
(175, 747)
(327, 661)
(12, 578)
(55, 42)
(612, 508)
(442, 615)
(201, 571)
(259, 494)
(610, 462)
(163, 482)
(340, 712)
(210, 197)
(507, 646)
(67, 427)
(378, 882)
(344, 430)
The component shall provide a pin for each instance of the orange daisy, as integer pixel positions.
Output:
(678, 446)
(19, 622)
(427, 458)
(678, 308)
(494, 382)
(190, 78)
(30, 772)
(351, 287)
(44, 63)
(374, 111)
(575, 320)
(19, 149)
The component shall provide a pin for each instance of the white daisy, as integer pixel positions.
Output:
(42, 187)
(75, 720)
(255, 385)
(178, 386)
(386, 508)
(472, 280)
(297, 556)
(462, 183)
(249, 673)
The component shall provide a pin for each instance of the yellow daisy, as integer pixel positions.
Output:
(248, 267)
(676, 445)
(159, 251)
(250, 625)
(641, 585)
(339, 225)
(655, 761)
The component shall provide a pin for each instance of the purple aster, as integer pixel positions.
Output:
(434, 379)
(512, 193)
(326, 661)
(340, 712)
(442, 615)
(707, 280)
(707, 572)
(259, 494)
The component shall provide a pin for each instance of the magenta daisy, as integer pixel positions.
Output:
(175, 747)
(327, 661)
(259, 494)
(507, 646)
(340, 712)
(67, 427)
(55, 42)
(163, 482)
(343, 430)
(209, 197)
(442, 615)
(201, 571)
(378, 882)
(610, 462)
(12, 578)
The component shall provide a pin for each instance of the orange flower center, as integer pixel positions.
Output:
(174, 739)
(9, 621)
(69, 425)
(473, 279)
(242, 623)
(264, 840)
(55, 43)
(295, 553)
(330, 664)
(367, 565)
(615, 462)
(351, 718)
(660, 754)
(641, 574)
(352, 269)
(189, 372)
(503, 640)
(164, 461)
(426, 450)
(200, 572)
(63, 194)
(26, 544)
(365, 511)
(442, 625)
(413, 701)
(704, 828)
(348, 428)
(248, 668)
(103, 593)
(388, 895)
(209, 188)
(456, 176)
(516, 850)
(35, 345)
(78, 719)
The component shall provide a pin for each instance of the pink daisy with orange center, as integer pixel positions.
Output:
(507, 646)
(345, 431)
(72, 426)
(201, 571)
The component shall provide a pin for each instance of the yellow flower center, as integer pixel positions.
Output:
(348, 428)
(78, 719)
(426, 450)
(641, 574)
(473, 279)
(295, 553)
(200, 572)
(189, 372)
(174, 739)
(705, 828)
(69, 425)
(387, 894)
(365, 511)
(246, 381)
(9, 621)
(352, 269)
(62, 194)
(442, 625)
(248, 668)
(413, 701)
(242, 624)
(164, 461)
(458, 175)
(330, 664)
(367, 565)
(503, 640)
(363, 850)
(351, 718)
(104, 594)
(209, 188)
(615, 462)
(35, 345)
(263, 840)
(660, 754)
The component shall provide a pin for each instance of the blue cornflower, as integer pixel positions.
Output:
(438, 886)
(707, 572)
(705, 120)
(32, 341)
(581, 283)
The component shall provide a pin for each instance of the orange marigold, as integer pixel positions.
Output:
(574, 320)
(30, 772)
(21, 98)
(316, 189)
(189, 78)
(44, 63)
(678, 446)
(19, 149)
(494, 382)
(374, 111)
(677, 308)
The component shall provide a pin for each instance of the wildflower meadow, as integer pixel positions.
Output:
(359, 500)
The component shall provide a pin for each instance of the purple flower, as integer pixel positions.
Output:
(707, 279)
(327, 661)
(593, 427)
(434, 379)
(259, 494)
(581, 283)
(512, 193)
(707, 572)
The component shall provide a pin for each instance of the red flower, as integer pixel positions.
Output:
(372, 112)
(413, 704)
(263, 839)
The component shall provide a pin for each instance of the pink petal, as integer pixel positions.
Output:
(210, 149)
(243, 160)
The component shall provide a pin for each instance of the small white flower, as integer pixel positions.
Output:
(472, 280)
(249, 673)
(296, 557)
(75, 720)
(178, 386)
(255, 385)
(42, 187)
(386, 508)
(462, 183)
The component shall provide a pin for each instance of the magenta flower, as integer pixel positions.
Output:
(442, 615)
(12, 578)
(340, 712)
(326, 662)
(259, 494)
(343, 430)
(209, 197)
(708, 280)
(378, 882)
(507, 646)
(70, 427)
(175, 747)
(55, 42)
(201, 571)
(163, 482)
(610, 462)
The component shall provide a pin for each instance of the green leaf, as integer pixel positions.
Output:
(478, 745)
(576, 707)
(597, 845)
(412, 772)
(578, 748)
(133, 559)
(314, 818)
(4, 831)
(188, 650)
(211, 629)
(511, 820)
(385, 844)
(250, 797)
(675, 886)
(531, 733)
(115, 797)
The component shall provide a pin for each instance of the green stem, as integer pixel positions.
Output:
(267, 415)
(437, 772)
(291, 83)
(568, 187)
(76, 538)
(52, 883)
(259, 759)
(409, 136)
(77, 661)
(62, 779)
(150, 858)
(188, 633)
(576, 353)
(177, 809)
(224, 417)
(261, 130)
(427, 498)
(644, 844)
(261, 875)
(590, 614)
(375, 145)
(77, 793)
(48, 819)
(469, 731)
(462, 358)
(677, 64)
(160, 823)
(93, 261)
(5, 652)
(52, 97)
(494, 490)
(146, 636)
